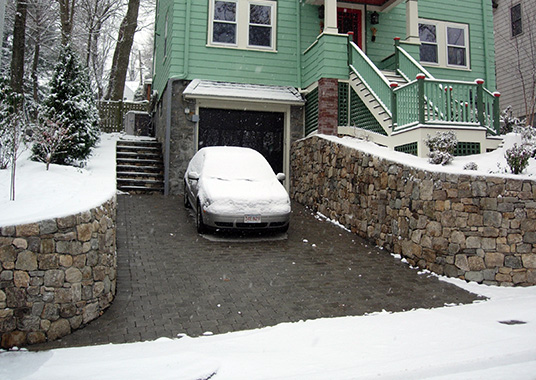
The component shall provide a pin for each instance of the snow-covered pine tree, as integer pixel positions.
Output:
(71, 104)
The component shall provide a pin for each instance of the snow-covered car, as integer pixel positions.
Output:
(235, 188)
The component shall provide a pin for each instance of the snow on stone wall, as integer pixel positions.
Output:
(477, 228)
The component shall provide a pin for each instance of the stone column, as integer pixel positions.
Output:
(328, 106)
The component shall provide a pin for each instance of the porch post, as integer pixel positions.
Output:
(496, 113)
(420, 95)
(480, 101)
(330, 17)
(412, 21)
(394, 109)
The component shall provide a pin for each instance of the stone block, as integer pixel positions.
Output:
(36, 337)
(492, 219)
(21, 279)
(13, 339)
(66, 222)
(513, 262)
(47, 246)
(48, 227)
(462, 262)
(54, 278)
(84, 231)
(529, 237)
(20, 243)
(8, 253)
(473, 242)
(26, 260)
(476, 276)
(476, 263)
(494, 259)
(48, 261)
(529, 260)
(31, 229)
(73, 275)
(58, 329)
(66, 260)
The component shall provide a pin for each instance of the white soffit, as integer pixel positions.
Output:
(206, 89)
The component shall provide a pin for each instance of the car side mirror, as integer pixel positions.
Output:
(280, 177)
(194, 176)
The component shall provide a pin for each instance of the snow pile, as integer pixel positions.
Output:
(60, 191)
(485, 340)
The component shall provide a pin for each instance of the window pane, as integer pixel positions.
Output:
(224, 33)
(455, 36)
(517, 24)
(260, 36)
(427, 33)
(428, 53)
(259, 14)
(456, 56)
(224, 11)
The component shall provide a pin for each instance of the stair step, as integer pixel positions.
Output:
(139, 168)
(138, 142)
(129, 155)
(140, 189)
(138, 161)
(143, 174)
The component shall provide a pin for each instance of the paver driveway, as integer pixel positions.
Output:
(172, 280)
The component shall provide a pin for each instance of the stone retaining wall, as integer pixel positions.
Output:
(56, 275)
(477, 228)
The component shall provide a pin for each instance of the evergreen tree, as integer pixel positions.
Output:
(71, 105)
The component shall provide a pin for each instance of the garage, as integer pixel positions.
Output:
(262, 131)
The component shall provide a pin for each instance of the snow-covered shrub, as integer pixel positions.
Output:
(71, 105)
(49, 138)
(470, 166)
(509, 122)
(517, 158)
(442, 147)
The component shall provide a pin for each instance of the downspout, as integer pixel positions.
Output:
(298, 45)
(485, 29)
(183, 75)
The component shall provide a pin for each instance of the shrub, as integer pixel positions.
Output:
(470, 166)
(442, 147)
(70, 105)
(517, 158)
(509, 123)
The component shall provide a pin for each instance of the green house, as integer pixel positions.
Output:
(264, 73)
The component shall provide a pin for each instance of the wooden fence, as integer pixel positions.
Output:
(112, 113)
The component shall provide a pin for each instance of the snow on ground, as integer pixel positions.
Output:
(491, 339)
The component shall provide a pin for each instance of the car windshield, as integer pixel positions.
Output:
(237, 165)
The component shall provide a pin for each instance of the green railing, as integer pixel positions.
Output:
(369, 74)
(426, 100)
(406, 65)
(435, 101)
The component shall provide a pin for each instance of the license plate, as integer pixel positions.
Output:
(252, 218)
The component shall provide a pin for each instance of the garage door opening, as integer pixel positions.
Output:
(262, 131)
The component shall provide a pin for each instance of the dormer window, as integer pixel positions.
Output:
(243, 24)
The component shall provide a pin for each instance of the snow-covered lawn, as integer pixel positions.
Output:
(491, 339)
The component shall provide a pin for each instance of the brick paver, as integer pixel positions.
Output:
(172, 280)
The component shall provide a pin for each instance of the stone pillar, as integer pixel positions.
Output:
(412, 21)
(328, 106)
(330, 17)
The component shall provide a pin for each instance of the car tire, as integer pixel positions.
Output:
(201, 228)
(186, 201)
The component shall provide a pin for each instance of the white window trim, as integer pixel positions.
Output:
(242, 26)
(442, 44)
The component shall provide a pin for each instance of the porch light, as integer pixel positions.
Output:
(374, 18)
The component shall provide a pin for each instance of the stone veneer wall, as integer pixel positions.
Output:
(477, 228)
(56, 275)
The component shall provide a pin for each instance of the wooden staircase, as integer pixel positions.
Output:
(375, 107)
(139, 166)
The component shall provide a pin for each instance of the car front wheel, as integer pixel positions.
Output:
(186, 201)
(201, 228)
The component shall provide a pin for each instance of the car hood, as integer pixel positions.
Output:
(243, 196)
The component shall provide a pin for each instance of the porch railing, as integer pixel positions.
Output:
(435, 101)
(112, 113)
(426, 100)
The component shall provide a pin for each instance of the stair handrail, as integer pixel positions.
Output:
(401, 57)
(370, 75)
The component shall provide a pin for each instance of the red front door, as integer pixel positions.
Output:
(349, 20)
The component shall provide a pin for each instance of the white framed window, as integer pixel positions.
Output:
(444, 44)
(243, 24)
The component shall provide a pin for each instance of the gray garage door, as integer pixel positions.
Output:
(262, 131)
